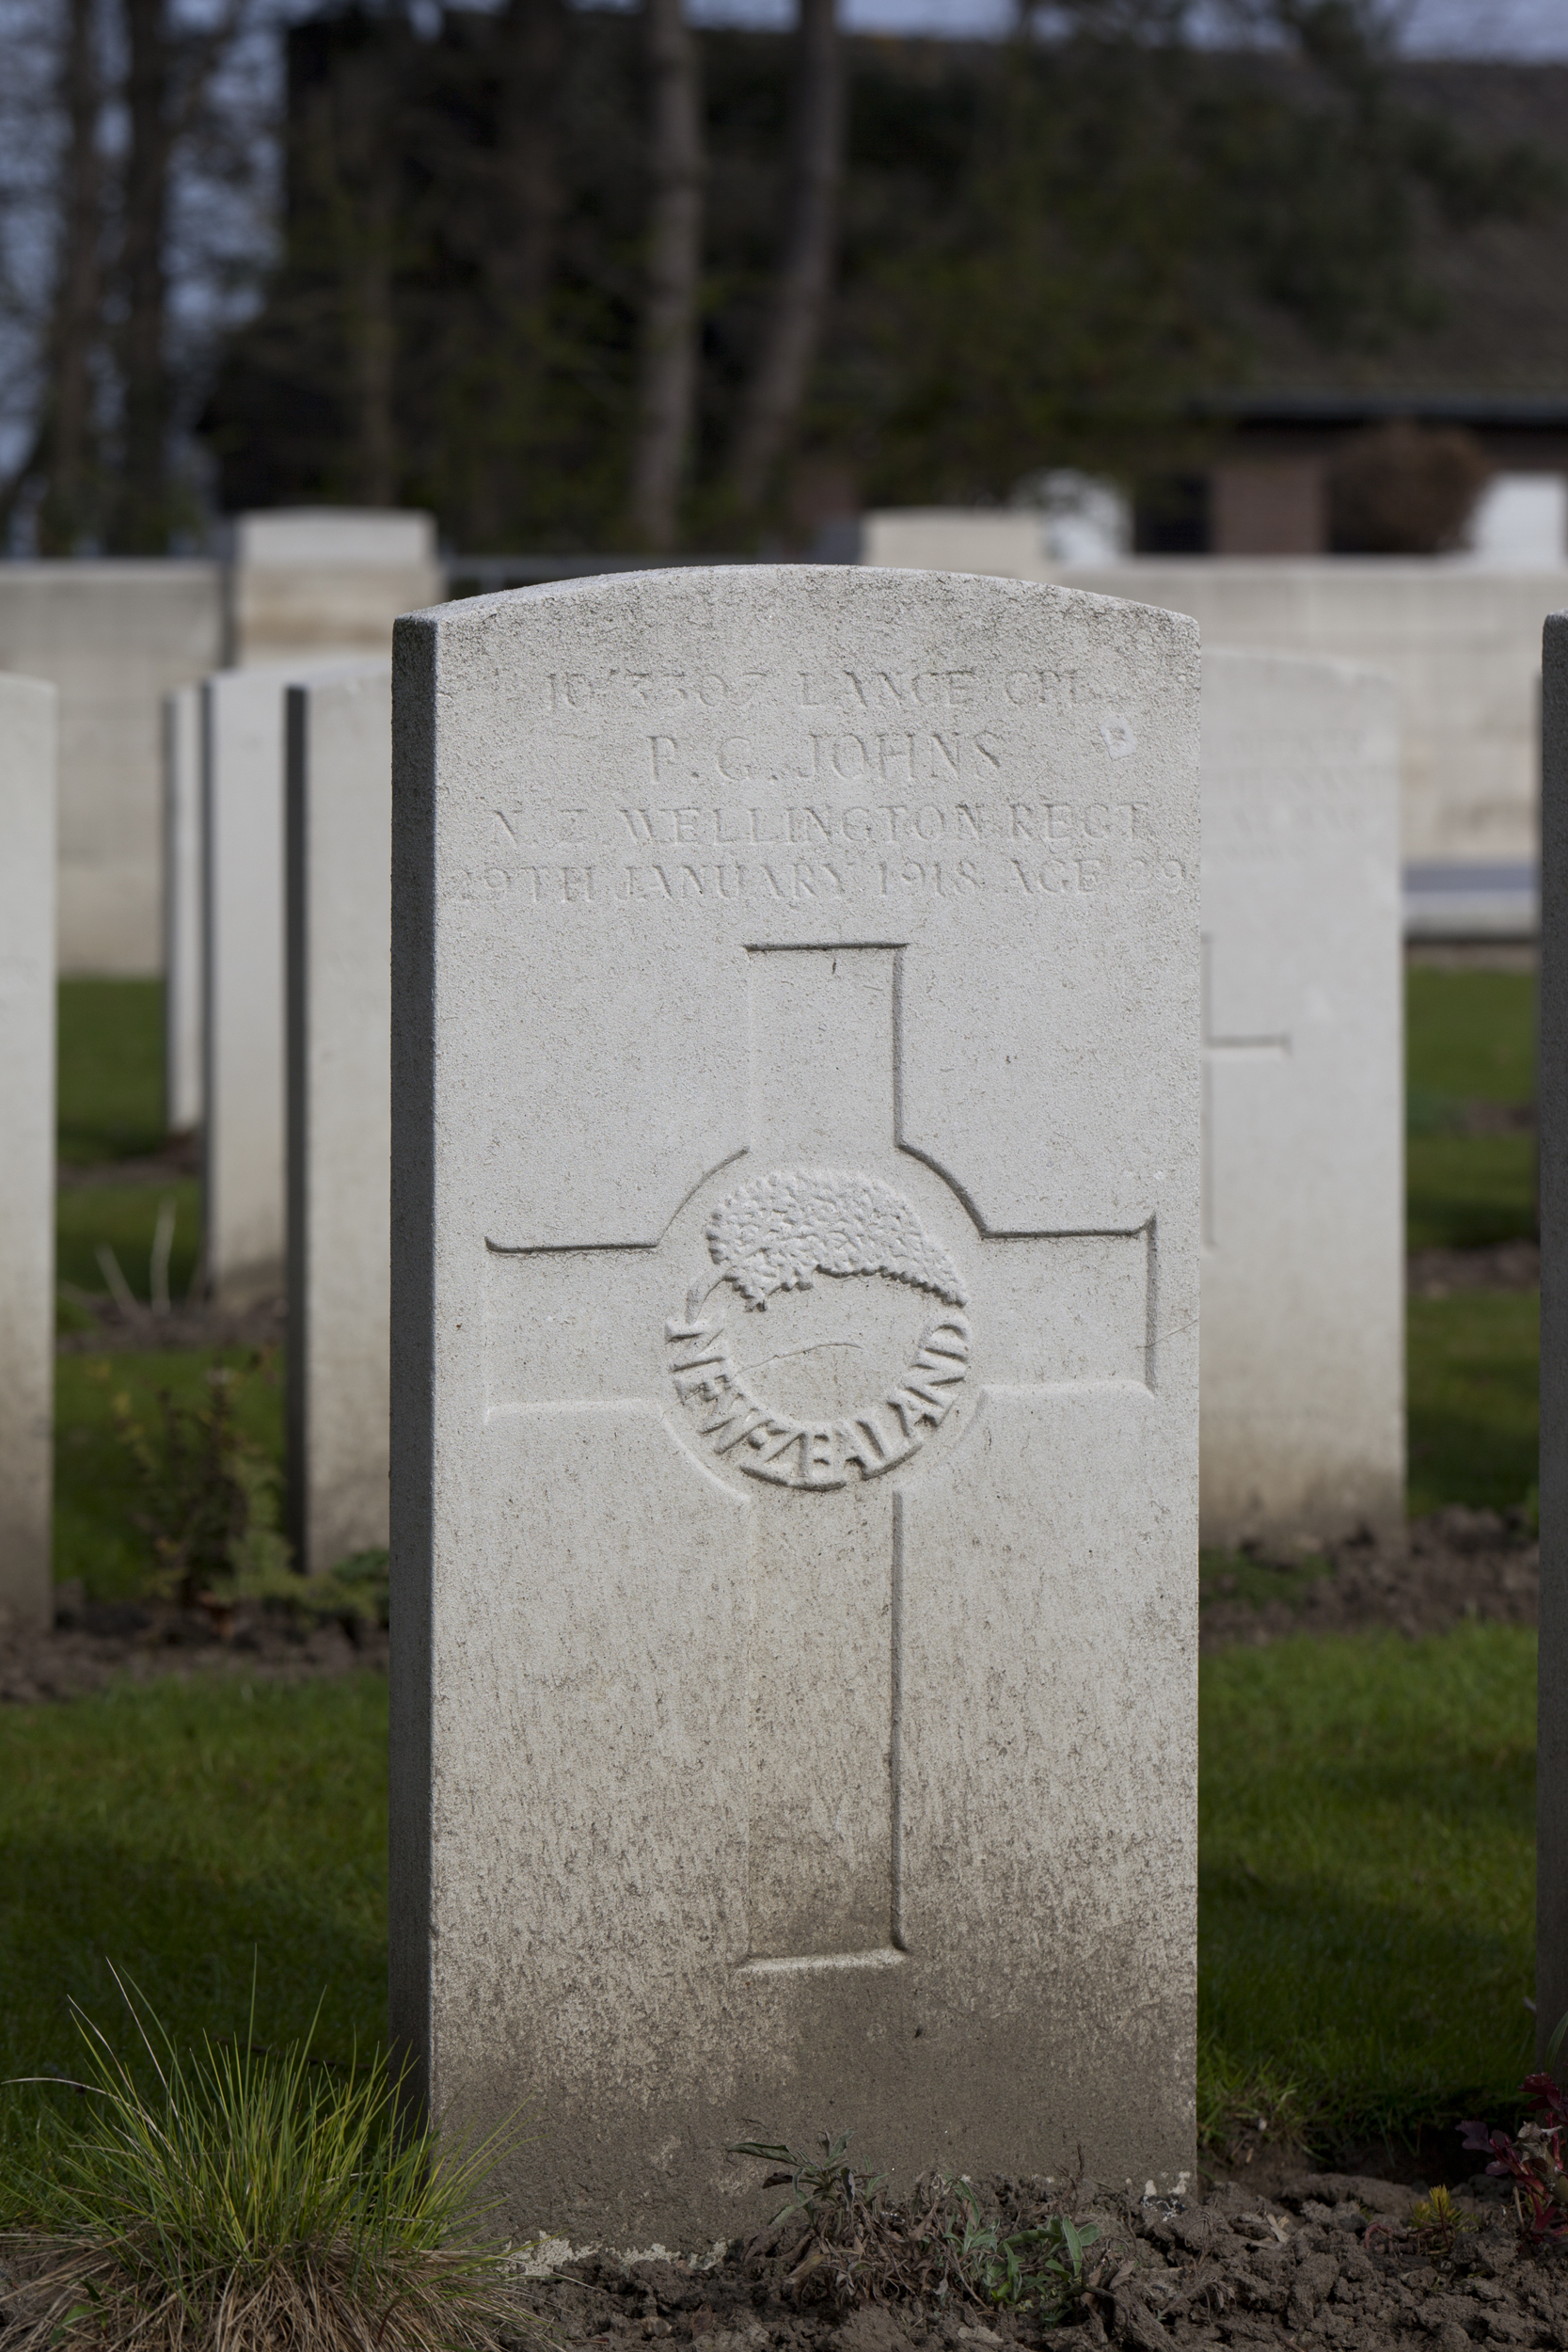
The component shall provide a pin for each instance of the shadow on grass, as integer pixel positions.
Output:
(1366, 1891)
(1465, 1192)
(187, 1940)
(1357, 2000)
(188, 1832)
(1473, 1370)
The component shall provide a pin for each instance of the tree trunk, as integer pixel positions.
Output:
(64, 514)
(366, 114)
(777, 387)
(669, 385)
(534, 48)
(142, 520)
(377, 339)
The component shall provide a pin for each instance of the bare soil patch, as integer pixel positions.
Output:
(93, 1644)
(1326, 2260)
(1457, 1564)
(1502, 1265)
(193, 1323)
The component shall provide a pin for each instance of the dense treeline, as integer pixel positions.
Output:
(575, 277)
(133, 143)
(1043, 250)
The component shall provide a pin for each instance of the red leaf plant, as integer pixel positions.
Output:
(1533, 2160)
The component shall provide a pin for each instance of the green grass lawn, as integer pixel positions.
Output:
(1462, 1192)
(1470, 1035)
(1469, 1038)
(1472, 1362)
(1367, 1879)
(111, 1070)
(185, 1833)
(111, 1107)
(1473, 1372)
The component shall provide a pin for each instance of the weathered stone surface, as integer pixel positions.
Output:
(754, 930)
(1303, 1211)
(28, 819)
(182, 943)
(339, 891)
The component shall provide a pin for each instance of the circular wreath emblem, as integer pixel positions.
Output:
(779, 1233)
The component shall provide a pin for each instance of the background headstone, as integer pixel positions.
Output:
(113, 638)
(1551, 1896)
(243, 1174)
(1460, 638)
(182, 955)
(1303, 1102)
(316, 584)
(793, 1402)
(27, 850)
(340, 850)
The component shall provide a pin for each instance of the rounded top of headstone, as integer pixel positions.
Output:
(728, 594)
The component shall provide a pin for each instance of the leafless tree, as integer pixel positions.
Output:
(67, 422)
(777, 390)
(139, 523)
(669, 375)
(533, 50)
(345, 156)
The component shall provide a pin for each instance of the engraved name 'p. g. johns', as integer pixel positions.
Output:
(778, 1233)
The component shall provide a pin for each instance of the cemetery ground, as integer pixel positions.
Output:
(1367, 1774)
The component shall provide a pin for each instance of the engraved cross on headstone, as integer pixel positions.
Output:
(819, 1325)
(1225, 1049)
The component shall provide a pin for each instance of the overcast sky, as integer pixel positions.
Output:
(1477, 28)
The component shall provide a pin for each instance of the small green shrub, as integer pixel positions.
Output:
(250, 2202)
(210, 1498)
(210, 1507)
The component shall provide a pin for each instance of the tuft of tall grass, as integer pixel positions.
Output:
(251, 2202)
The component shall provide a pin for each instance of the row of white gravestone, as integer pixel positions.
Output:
(712, 1817)
(28, 769)
(1303, 1427)
(276, 861)
(803, 1024)
(760, 931)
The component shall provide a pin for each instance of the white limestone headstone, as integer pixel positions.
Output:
(28, 759)
(243, 1175)
(1303, 1379)
(795, 1238)
(314, 583)
(339, 996)
(182, 955)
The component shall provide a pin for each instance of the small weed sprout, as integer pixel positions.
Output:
(840, 2237)
(1435, 2224)
(251, 2204)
